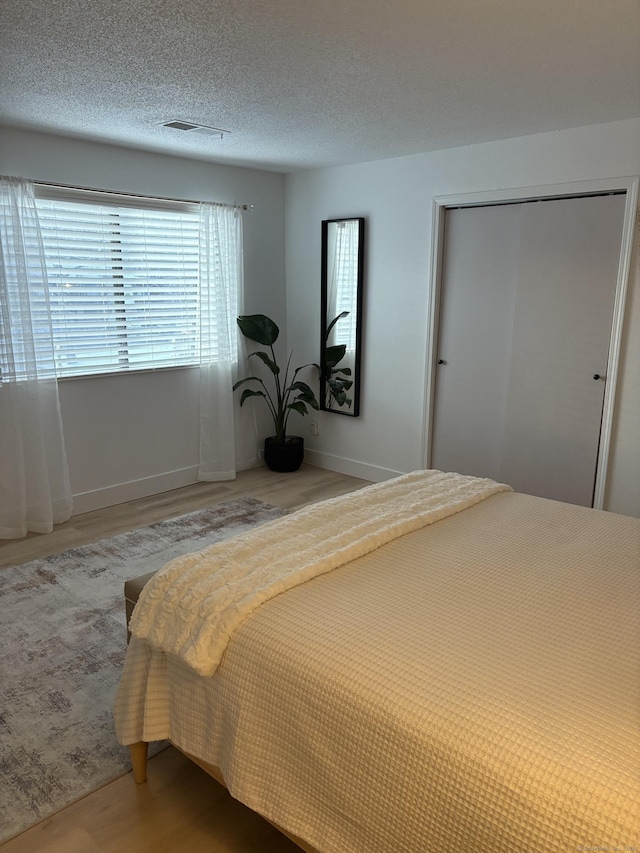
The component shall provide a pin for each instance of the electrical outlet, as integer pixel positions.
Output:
(313, 427)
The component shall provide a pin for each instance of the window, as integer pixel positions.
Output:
(123, 280)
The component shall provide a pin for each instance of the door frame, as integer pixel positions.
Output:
(627, 185)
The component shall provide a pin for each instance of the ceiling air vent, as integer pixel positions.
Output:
(193, 128)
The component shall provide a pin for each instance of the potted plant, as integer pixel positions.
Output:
(282, 452)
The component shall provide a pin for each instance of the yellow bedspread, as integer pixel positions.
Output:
(471, 686)
(192, 607)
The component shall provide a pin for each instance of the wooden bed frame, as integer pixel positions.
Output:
(139, 753)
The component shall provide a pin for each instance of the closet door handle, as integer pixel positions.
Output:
(441, 361)
(598, 376)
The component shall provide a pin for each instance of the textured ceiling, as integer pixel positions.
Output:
(302, 84)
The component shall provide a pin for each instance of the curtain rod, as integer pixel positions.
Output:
(132, 195)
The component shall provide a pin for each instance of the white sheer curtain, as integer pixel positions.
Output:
(227, 438)
(35, 492)
(342, 291)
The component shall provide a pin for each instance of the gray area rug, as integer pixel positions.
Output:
(62, 648)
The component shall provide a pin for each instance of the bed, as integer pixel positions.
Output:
(434, 663)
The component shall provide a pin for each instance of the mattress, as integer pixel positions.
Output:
(473, 685)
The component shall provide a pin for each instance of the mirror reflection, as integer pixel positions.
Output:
(342, 276)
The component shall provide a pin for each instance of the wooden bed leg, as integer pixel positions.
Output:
(138, 752)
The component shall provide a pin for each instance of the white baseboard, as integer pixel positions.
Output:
(134, 489)
(123, 492)
(374, 473)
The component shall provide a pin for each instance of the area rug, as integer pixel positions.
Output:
(62, 647)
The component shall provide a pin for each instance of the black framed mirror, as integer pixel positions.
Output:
(341, 312)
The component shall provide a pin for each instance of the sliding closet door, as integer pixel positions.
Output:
(476, 319)
(555, 326)
(569, 254)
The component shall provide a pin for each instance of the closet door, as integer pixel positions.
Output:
(561, 287)
(476, 321)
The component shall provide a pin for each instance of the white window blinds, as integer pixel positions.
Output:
(123, 280)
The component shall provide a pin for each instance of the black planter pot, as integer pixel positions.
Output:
(284, 456)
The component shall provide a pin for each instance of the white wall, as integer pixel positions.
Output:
(129, 436)
(135, 435)
(396, 198)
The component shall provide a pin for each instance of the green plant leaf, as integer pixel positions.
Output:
(299, 406)
(341, 383)
(273, 367)
(339, 396)
(248, 392)
(307, 392)
(338, 390)
(246, 379)
(334, 321)
(332, 355)
(259, 327)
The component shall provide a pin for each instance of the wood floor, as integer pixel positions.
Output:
(180, 809)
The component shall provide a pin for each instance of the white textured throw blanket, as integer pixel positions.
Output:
(192, 606)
